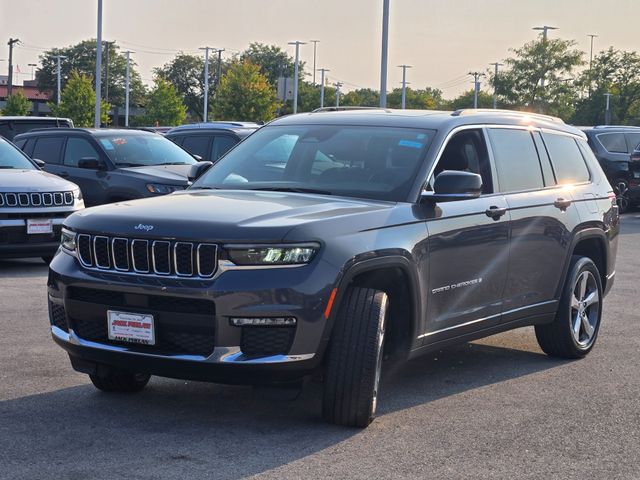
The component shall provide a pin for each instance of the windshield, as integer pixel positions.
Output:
(11, 157)
(141, 150)
(365, 162)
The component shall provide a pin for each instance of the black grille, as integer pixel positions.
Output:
(18, 235)
(36, 199)
(58, 316)
(159, 257)
(266, 340)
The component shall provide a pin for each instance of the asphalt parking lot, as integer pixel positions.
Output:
(497, 408)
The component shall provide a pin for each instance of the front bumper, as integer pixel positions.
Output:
(293, 292)
(16, 243)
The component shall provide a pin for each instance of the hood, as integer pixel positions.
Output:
(19, 180)
(169, 174)
(229, 215)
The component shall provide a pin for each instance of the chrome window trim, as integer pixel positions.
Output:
(95, 255)
(133, 257)
(215, 259)
(113, 253)
(153, 257)
(175, 259)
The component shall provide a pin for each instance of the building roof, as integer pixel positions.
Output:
(31, 92)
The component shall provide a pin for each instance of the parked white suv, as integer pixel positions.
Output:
(33, 205)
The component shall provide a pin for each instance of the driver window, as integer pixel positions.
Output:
(466, 152)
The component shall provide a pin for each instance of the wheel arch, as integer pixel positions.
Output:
(589, 242)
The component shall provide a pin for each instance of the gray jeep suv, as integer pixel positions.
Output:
(338, 242)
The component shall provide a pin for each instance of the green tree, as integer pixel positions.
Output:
(427, 99)
(81, 57)
(272, 60)
(519, 84)
(164, 105)
(616, 72)
(465, 100)
(245, 94)
(17, 104)
(361, 97)
(77, 102)
(186, 73)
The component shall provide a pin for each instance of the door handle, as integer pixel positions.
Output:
(495, 212)
(562, 203)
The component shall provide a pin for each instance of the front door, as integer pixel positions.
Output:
(468, 247)
(91, 182)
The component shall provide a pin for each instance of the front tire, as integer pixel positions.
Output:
(352, 377)
(114, 380)
(574, 331)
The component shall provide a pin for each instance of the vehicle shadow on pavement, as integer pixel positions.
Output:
(177, 429)
(22, 268)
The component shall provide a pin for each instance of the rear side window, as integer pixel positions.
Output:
(633, 140)
(516, 159)
(77, 149)
(48, 149)
(221, 145)
(613, 142)
(176, 139)
(197, 145)
(566, 158)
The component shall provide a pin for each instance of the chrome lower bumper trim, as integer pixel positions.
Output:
(19, 222)
(226, 355)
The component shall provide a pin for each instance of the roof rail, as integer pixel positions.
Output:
(486, 111)
(48, 129)
(616, 126)
(341, 109)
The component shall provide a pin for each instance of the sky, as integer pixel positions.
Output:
(442, 39)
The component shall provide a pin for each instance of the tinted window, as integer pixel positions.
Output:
(633, 139)
(567, 160)
(197, 145)
(10, 129)
(48, 149)
(143, 149)
(365, 162)
(11, 157)
(176, 139)
(20, 143)
(613, 142)
(222, 145)
(77, 149)
(516, 159)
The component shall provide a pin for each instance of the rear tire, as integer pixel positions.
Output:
(120, 381)
(355, 358)
(621, 188)
(574, 331)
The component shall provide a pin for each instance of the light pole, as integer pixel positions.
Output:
(476, 87)
(384, 57)
(96, 120)
(545, 29)
(126, 88)
(11, 43)
(607, 111)
(404, 84)
(205, 114)
(322, 72)
(315, 51)
(58, 75)
(591, 60)
(495, 83)
(338, 85)
(33, 66)
(296, 74)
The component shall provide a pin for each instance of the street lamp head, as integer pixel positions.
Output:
(297, 43)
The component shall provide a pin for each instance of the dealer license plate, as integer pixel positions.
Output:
(39, 226)
(131, 327)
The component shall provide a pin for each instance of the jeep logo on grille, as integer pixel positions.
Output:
(146, 228)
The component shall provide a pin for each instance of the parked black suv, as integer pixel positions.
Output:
(12, 126)
(110, 165)
(330, 241)
(209, 141)
(613, 146)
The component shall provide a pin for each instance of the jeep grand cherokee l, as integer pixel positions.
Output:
(110, 164)
(33, 205)
(330, 241)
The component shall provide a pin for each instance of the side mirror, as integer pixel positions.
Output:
(91, 163)
(453, 185)
(197, 157)
(198, 169)
(39, 163)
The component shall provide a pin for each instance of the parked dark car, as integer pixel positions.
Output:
(209, 141)
(33, 205)
(613, 146)
(111, 165)
(339, 242)
(12, 126)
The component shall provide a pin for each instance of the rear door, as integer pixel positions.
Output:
(93, 183)
(49, 150)
(542, 218)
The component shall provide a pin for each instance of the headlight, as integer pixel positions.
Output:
(77, 194)
(68, 240)
(162, 189)
(276, 255)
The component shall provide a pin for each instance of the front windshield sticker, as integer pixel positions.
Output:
(119, 141)
(107, 144)
(409, 143)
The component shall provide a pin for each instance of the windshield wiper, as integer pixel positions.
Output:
(173, 163)
(131, 165)
(292, 189)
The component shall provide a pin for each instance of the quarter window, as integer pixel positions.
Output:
(221, 145)
(633, 140)
(516, 159)
(48, 149)
(613, 142)
(568, 162)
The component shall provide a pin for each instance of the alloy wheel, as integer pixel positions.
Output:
(585, 309)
